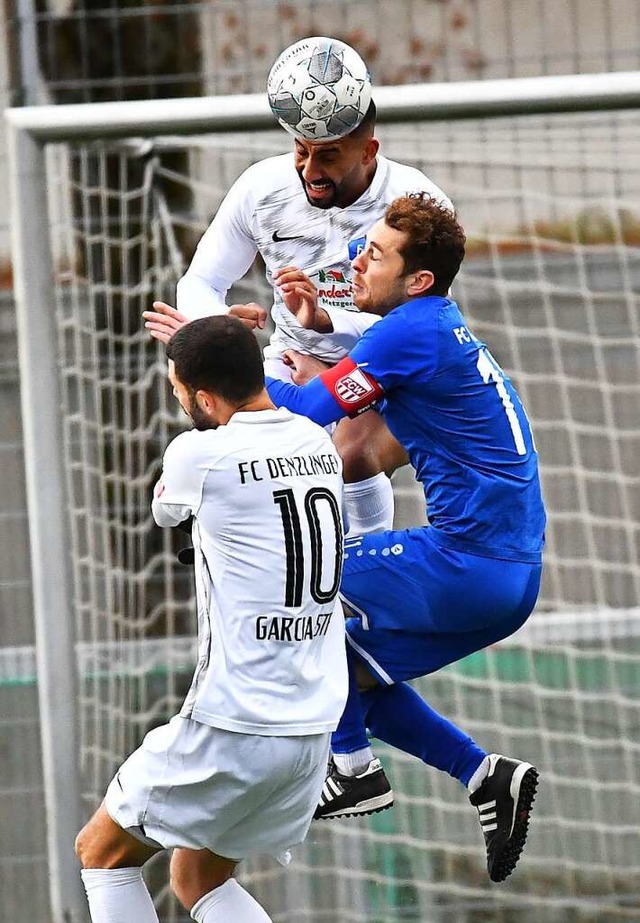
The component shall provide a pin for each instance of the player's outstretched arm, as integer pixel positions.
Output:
(163, 321)
(301, 298)
(311, 400)
(345, 389)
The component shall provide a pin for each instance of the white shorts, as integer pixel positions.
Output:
(200, 787)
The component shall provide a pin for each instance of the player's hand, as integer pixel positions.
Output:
(303, 367)
(163, 321)
(251, 315)
(301, 298)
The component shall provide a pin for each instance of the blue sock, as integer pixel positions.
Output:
(400, 717)
(351, 733)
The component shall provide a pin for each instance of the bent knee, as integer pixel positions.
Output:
(180, 885)
(103, 844)
(194, 873)
(87, 850)
(79, 845)
(93, 852)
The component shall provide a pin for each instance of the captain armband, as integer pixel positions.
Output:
(351, 387)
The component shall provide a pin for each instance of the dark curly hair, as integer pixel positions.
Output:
(218, 354)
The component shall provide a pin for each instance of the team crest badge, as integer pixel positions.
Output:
(352, 387)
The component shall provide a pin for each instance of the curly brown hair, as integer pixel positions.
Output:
(435, 239)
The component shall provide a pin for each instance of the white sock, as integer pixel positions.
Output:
(228, 902)
(479, 776)
(118, 896)
(369, 505)
(351, 764)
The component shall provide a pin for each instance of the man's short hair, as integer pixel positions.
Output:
(367, 126)
(435, 239)
(218, 354)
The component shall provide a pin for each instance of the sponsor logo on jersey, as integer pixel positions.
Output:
(331, 275)
(276, 238)
(334, 289)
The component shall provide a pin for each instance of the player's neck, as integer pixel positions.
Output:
(261, 401)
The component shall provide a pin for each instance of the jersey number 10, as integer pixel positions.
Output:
(322, 544)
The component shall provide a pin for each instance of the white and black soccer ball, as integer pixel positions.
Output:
(319, 89)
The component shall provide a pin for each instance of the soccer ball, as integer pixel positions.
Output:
(319, 89)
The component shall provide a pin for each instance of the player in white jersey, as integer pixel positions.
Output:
(303, 209)
(240, 769)
(307, 224)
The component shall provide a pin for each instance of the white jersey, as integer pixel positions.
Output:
(266, 211)
(266, 495)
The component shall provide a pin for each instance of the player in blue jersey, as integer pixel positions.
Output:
(425, 597)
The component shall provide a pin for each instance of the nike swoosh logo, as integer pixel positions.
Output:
(276, 238)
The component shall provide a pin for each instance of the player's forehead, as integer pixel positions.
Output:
(384, 238)
(335, 145)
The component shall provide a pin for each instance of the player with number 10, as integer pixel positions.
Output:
(239, 770)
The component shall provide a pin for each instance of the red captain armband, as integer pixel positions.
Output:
(353, 389)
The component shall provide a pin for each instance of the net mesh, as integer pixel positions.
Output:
(551, 206)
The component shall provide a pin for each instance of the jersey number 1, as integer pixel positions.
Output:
(286, 500)
(491, 371)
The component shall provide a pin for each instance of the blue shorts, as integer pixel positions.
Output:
(419, 606)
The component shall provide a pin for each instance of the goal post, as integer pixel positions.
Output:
(543, 173)
(49, 538)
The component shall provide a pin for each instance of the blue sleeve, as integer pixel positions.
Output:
(312, 400)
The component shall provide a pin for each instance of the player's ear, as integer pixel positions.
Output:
(214, 406)
(206, 401)
(420, 282)
(370, 150)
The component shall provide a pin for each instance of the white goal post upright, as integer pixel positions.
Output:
(30, 131)
(49, 538)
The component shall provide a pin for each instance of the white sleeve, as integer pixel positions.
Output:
(420, 182)
(225, 253)
(178, 493)
(348, 326)
(196, 297)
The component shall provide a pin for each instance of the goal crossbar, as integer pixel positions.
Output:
(425, 101)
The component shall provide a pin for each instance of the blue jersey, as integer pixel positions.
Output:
(448, 402)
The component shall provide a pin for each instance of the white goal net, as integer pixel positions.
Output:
(551, 206)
